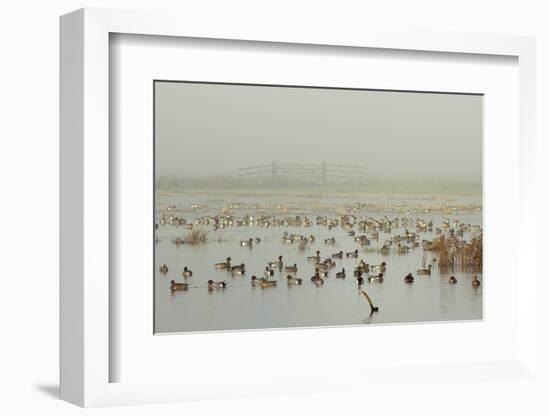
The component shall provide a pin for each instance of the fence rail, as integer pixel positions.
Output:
(320, 172)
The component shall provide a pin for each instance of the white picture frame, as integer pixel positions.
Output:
(85, 180)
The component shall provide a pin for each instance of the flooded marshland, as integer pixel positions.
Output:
(370, 200)
(196, 230)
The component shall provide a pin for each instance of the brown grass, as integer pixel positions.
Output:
(195, 237)
(456, 254)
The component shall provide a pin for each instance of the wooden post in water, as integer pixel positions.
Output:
(372, 307)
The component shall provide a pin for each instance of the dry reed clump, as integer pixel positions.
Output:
(195, 237)
(453, 253)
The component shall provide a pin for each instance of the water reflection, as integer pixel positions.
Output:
(336, 302)
(368, 320)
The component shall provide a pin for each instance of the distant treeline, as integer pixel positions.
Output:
(174, 182)
(374, 185)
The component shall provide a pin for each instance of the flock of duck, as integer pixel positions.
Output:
(362, 272)
(362, 229)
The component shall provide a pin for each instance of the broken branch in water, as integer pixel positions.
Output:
(372, 307)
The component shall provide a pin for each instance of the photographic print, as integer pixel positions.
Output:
(287, 206)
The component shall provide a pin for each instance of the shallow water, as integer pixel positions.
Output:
(338, 301)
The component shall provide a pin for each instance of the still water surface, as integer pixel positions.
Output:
(338, 301)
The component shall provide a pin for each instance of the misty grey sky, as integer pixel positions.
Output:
(209, 130)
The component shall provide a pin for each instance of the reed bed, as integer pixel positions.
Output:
(196, 236)
(454, 253)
